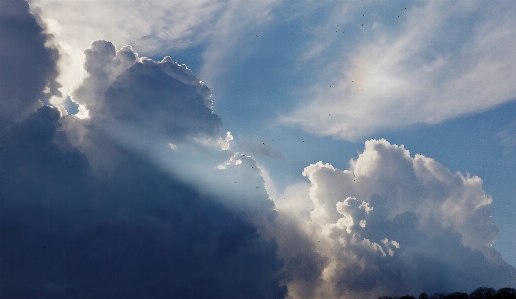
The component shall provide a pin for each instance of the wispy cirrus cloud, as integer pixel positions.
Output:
(438, 61)
(232, 33)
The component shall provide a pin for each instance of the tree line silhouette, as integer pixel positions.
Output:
(479, 293)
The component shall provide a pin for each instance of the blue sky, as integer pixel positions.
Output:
(368, 137)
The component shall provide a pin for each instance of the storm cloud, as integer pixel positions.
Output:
(136, 232)
(28, 66)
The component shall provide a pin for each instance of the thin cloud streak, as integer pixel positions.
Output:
(238, 24)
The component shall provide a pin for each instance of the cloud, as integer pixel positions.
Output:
(136, 233)
(144, 199)
(396, 224)
(262, 149)
(163, 96)
(139, 230)
(155, 26)
(507, 137)
(144, 106)
(239, 22)
(28, 66)
(438, 61)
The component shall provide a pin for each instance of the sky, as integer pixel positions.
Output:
(266, 149)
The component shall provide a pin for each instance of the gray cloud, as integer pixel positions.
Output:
(164, 96)
(137, 231)
(28, 66)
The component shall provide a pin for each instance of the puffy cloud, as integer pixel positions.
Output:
(164, 96)
(140, 230)
(396, 224)
(437, 61)
(27, 60)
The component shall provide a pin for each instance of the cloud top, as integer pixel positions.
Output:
(162, 96)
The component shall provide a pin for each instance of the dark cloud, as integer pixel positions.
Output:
(28, 66)
(136, 233)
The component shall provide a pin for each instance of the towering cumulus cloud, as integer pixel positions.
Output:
(135, 231)
(396, 224)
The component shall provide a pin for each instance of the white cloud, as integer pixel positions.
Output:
(155, 26)
(444, 59)
(225, 142)
(396, 224)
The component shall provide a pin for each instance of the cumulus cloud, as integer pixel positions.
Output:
(438, 61)
(137, 231)
(397, 224)
(164, 96)
(28, 67)
(161, 111)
